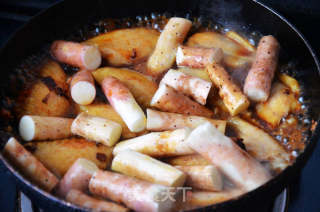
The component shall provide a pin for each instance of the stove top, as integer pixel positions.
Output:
(302, 195)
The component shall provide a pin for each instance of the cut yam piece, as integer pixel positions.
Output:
(291, 82)
(97, 129)
(199, 198)
(161, 121)
(44, 127)
(168, 100)
(230, 93)
(203, 177)
(76, 54)
(83, 90)
(196, 72)
(188, 160)
(47, 96)
(261, 145)
(141, 86)
(81, 199)
(125, 47)
(227, 156)
(241, 40)
(77, 177)
(144, 167)
(194, 87)
(235, 55)
(106, 111)
(158, 144)
(59, 155)
(134, 193)
(124, 103)
(280, 103)
(29, 165)
(52, 69)
(170, 38)
(258, 82)
(197, 57)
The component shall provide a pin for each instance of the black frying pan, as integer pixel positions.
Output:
(59, 21)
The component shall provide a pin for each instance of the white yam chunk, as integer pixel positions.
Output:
(234, 162)
(136, 194)
(29, 165)
(169, 100)
(44, 127)
(161, 121)
(77, 177)
(144, 167)
(76, 54)
(81, 199)
(196, 88)
(261, 145)
(82, 88)
(97, 129)
(171, 37)
(168, 143)
(124, 103)
(198, 57)
(203, 177)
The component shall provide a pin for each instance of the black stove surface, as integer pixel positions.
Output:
(304, 193)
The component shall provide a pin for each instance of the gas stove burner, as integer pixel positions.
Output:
(25, 205)
(281, 202)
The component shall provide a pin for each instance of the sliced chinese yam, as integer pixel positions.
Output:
(136, 194)
(216, 102)
(280, 103)
(291, 82)
(198, 198)
(59, 155)
(126, 46)
(144, 167)
(44, 127)
(170, 38)
(196, 72)
(158, 144)
(76, 54)
(188, 160)
(77, 177)
(52, 69)
(47, 96)
(83, 200)
(258, 82)
(29, 165)
(82, 88)
(122, 101)
(169, 100)
(235, 163)
(203, 177)
(194, 87)
(197, 57)
(96, 128)
(241, 40)
(161, 121)
(231, 94)
(141, 86)
(236, 62)
(261, 145)
(106, 111)
(229, 47)
(42, 101)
